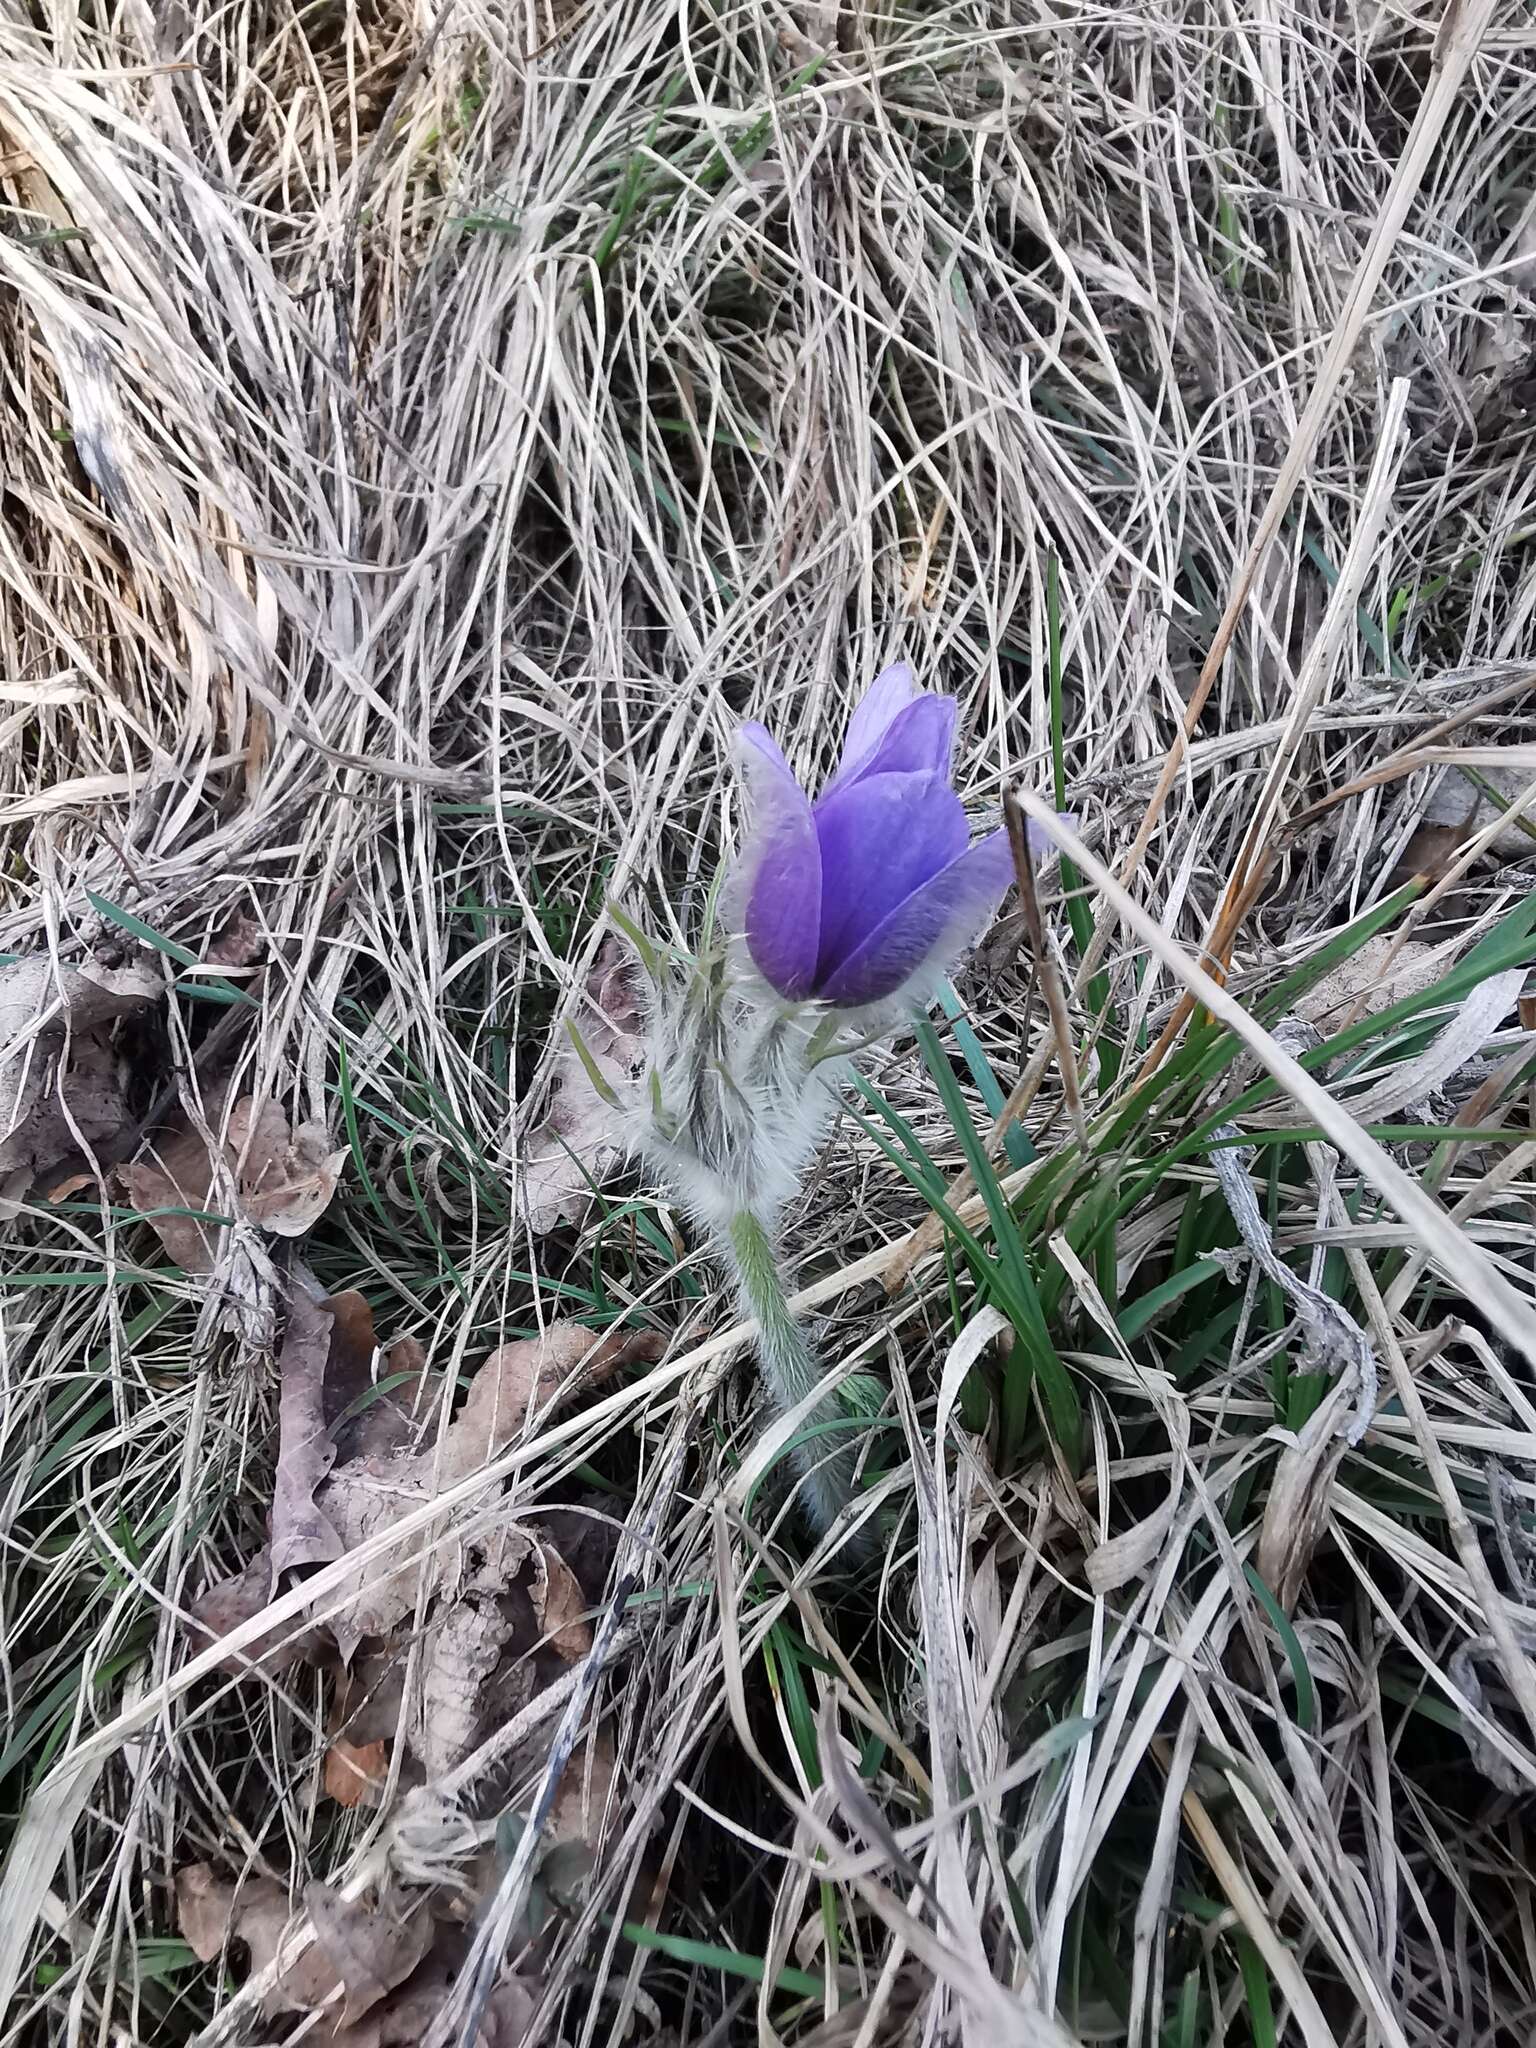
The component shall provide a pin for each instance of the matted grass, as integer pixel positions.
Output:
(426, 432)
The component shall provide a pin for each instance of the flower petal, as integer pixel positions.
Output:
(890, 693)
(881, 838)
(782, 869)
(920, 736)
(926, 931)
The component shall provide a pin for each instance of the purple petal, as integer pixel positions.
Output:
(921, 737)
(934, 924)
(891, 692)
(881, 837)
(782, 869)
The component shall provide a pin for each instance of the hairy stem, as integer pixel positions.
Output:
(790, 1367)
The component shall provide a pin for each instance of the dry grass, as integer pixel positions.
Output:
(425, 432)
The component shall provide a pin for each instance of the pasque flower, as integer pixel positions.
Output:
(858, 902)
(849, 900)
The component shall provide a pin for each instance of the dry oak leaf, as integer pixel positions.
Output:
(364, 1948)
(565, 1609)
(582, 1134)
(586, 1787)
(211, 1912)
(403, 2020)
(283, 1179)
(372, 1948)
(364, 1497)
(227, 1605)
(328, 1406)
(60, 1075)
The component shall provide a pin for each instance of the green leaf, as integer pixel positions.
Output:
(1016, 1142)
(1013, 1281)
(600, 1082)
(709, 1955)
(216, 989)
(1261, 2011)
(1136, 1315)
(1296, 1656)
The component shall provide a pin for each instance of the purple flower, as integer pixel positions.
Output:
(849, 898)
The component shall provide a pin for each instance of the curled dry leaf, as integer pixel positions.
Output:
(363, 1948)
(565, 1605)
(301, 1534)
(282, 1179)
(328, 1407)
(582, 1136)
(61, 1079)
(371, 1948)
(586, 1786)
(367, 1493)
(1300, 1503)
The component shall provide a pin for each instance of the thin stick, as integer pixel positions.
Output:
(1045, 965)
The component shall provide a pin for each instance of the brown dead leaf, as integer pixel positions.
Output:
(370, 1692)
(586, 1787)
(211, 1913)
(228, 1604)
(582, 1134)
(535, 1373)
(180, 1177)
(285, 1182)
(364, 1948)
(347, 1380)
(586, 1532)
(282, 1180)
(369, 1418)
(514, 1610)
(301, 1534)
(1430, 852)
(403, 2020)
(365, 1496)
(204, 1905)
(371, 1948)
(240, 943)
(1491, 800)
(355, 1772)
(60, 1074)
(565, 1609)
